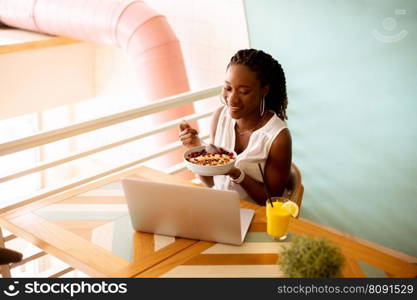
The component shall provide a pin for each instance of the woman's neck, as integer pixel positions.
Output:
(252, 122)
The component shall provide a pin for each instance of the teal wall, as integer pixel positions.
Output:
(352, 109)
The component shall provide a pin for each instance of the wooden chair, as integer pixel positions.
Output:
(7, 256)
(295, 189)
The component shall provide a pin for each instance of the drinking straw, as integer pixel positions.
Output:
(268, 194)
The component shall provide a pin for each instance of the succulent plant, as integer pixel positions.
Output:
(311, 257)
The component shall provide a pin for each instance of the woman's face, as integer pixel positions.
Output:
(242, 91)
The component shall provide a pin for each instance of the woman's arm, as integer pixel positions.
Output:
(208, 180)
(277, 170)
(189, 138)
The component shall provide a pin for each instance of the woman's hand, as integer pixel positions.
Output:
(189, 136)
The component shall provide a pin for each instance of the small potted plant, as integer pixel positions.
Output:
(311, 257)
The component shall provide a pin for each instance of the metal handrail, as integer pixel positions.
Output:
(50, 136)
(77, 155)
(79, 181)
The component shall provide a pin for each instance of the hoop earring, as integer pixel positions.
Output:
(262, 107)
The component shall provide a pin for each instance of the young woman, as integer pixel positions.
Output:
(252, 123)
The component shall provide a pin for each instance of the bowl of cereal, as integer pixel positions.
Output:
(201, 162)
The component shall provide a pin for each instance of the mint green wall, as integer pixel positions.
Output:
(352, 109)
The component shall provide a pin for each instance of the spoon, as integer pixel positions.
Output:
(210, 148)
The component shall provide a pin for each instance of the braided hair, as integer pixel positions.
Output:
(269, 72)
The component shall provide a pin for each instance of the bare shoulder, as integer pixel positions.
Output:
(278, 164)
(282, 145)
(214, 120)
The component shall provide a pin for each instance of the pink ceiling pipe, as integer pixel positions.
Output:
(143, 33)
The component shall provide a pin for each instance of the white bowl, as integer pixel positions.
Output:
(208, 170)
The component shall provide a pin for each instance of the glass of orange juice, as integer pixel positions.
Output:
(278, 217)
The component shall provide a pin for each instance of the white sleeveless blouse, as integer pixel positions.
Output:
(256, 152)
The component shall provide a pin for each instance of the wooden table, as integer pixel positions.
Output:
(89, 228)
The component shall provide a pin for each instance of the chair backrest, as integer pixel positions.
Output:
(294, 189)
(8, 256)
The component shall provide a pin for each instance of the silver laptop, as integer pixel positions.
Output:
(186, 211)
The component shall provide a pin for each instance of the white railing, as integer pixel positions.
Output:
(46, 137)
(77, 129)
(76, 155)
